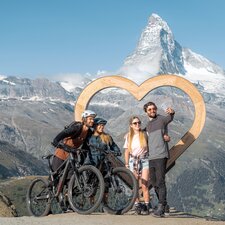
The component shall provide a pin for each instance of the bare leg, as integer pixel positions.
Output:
(144, 184)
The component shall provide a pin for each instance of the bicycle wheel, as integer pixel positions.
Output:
(122, 191)
(85, 192)
(38, 197)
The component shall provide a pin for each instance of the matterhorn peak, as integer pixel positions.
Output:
(157, 52)
(151, 36)
(156, 20)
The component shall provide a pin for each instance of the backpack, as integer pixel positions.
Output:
(74, 123)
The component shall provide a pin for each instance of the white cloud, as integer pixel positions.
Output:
(69, 81)
(2, 77)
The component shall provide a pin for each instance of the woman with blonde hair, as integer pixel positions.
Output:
(99, 142)
(136, 159)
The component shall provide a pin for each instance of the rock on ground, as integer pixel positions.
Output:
(7, 209)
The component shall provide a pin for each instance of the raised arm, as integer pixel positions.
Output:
(170, 115)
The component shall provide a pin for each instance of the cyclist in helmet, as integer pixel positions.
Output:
(73, 136)
(99, 142)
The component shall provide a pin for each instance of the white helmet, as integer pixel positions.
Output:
(88, 113)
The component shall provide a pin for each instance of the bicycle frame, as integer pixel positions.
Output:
(109, 168)
(62, 172)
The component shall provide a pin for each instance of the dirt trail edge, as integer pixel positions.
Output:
(104, 219)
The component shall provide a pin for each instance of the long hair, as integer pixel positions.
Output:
(142, 136)
(106, 138)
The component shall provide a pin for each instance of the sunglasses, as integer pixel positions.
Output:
(151, 109)
(135, 123)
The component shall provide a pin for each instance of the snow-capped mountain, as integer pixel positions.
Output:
(75, 82)
(204, 72)
(38, 89)
(158, 52)
(66, 88)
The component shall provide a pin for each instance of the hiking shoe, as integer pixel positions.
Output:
(138, 208)
(167, 210)
(150, 208)
(159, 212)
(145, 209)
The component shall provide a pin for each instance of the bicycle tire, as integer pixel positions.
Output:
(94, 185)
(38, 198)
(121, 201)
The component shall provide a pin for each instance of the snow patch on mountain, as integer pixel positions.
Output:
(8, 82)
(71, 81)
(105, 103)
(198, 61)
(204, 72)
(212, 83)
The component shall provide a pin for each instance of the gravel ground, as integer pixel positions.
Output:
(104, 219)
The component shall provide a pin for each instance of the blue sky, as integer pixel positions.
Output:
(43, 38)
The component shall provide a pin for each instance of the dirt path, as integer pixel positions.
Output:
(104, 219)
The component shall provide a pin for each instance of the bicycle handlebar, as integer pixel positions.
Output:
(69, 149)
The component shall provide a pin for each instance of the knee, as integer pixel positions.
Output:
(152, 181)
(161, 183)
(144, 188)
(144, 184)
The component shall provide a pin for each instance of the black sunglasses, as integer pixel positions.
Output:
(135, 123)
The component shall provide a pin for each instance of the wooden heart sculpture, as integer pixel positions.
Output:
(139, 92)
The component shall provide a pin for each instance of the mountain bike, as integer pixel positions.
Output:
(121, 186)
(84, 194)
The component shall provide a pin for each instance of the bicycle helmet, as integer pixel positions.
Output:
(88, 113)
(100, 121)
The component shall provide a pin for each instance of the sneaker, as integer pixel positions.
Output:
(145, 209)
(138, 208)
(151, 209)
(167, 210)
(67, 210)
(159, 212)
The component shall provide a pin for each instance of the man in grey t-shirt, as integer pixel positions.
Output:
(158, 152)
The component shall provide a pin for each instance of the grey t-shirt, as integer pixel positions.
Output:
(155, 128)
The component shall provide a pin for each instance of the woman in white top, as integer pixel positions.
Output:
(136, 159)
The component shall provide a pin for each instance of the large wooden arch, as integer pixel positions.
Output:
(139, 92)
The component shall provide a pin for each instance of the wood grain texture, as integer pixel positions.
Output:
(140, 91)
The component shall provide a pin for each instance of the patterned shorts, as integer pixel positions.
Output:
(143, 164)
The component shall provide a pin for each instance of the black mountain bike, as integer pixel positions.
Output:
(121, 186)
(84, 192)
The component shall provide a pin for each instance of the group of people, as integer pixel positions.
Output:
(146, 150)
